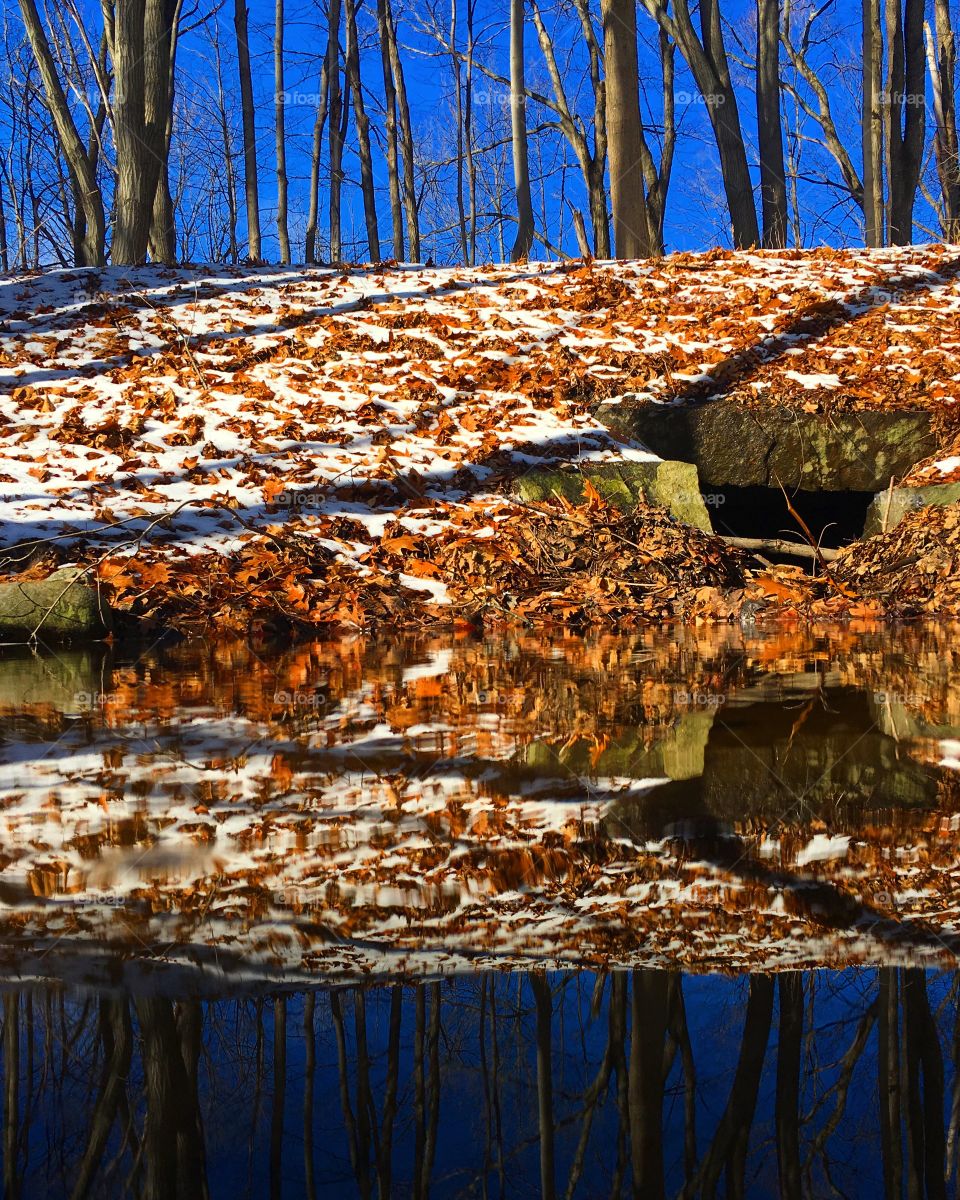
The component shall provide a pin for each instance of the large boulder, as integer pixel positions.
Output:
(738, 445)
(888, 508)
(671, 485)
(59, 608)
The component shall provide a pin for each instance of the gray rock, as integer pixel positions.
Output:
(59, 608)
(734, 445)
(888, 508)
(672, 485)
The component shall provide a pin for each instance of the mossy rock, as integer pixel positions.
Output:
(60, 608)
(671, 485)
(734, 444)
(887, 509)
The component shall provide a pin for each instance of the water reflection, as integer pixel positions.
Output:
(703, 799)
(646, 1084)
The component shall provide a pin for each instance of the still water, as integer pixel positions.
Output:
(675, 914)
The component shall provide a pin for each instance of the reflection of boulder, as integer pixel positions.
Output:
(902, 723)
(777, 761)
(676, 753)
(70, 681)
(763, 757)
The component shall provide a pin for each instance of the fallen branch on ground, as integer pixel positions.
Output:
(781, 546)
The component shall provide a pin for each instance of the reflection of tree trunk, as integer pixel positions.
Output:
(11, 1079)
(789, 1039)
(591, 1098)
(117, 1037)
(729, 1147)
(618, 1041)
(922, 1046)
(678, 1027)
(544, 1000)
(173, 1155)
(309, 1072)
(497, 1112)
(358, 1157)
(279, 1095)
(426, 1049)
(433, 1112)
(364, 1094)
(385, 1148)
(841, 1089)
(954, 1127)
(647, 1034)
(888, 1070)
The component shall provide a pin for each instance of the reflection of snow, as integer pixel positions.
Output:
(823, 848)
(402, 826)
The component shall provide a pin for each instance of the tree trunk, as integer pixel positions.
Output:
(92, 245)
(224, 124)
(362, 122)
(408, 179)
(942, 63)
(632, 235)
(142, 44)
(905, 114)
(773, 179)
(390, 123)
(251, 183)
(872, 125)
(310, 238)
(279, 104)
(162, 242)
(707, 59)
(518, 130)
(338, 130)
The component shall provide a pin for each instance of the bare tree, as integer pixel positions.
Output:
(942, 65)
(91, 246)
(323, 105)
(251, 182)
(773, 180)
(141, 48)
(904, 113)
(707, 58)
(390, 122)
(279, 104)
(518, 133)
(872, 124)
(633, 237)
(362, 123)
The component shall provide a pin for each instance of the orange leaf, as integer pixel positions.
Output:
(423, 568)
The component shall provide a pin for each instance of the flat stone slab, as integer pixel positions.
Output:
(733, 445)
(674, 486)
(62, 607)
(887, 509)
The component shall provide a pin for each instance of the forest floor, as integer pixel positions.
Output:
(224, 446)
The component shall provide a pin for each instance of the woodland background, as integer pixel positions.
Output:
(463, 131)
